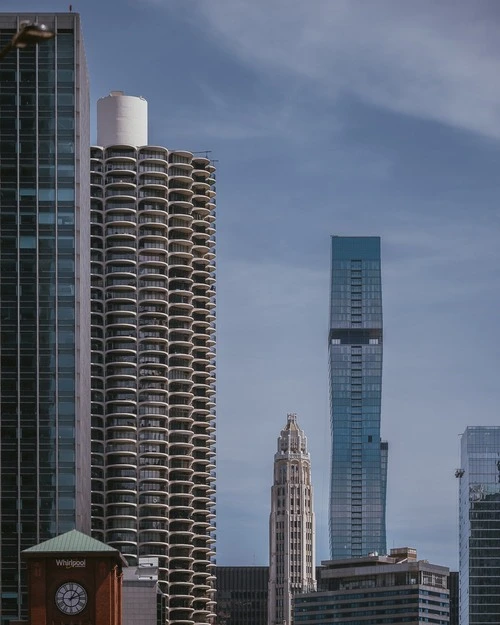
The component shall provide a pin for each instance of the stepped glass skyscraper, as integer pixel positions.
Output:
(153, 356)
(291, 525)
(479, 526)
(355, 343)
(44, 296)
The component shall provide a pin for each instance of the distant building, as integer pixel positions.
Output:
(291, 527)
(453, 586)
(242, 595)
(141, 598)
(44, 295)
(479, 530)
(355, 344)
(376, 590)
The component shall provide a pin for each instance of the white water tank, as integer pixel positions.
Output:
(122, 120)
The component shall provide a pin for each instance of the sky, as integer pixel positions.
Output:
(332, 117)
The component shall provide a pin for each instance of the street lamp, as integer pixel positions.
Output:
(29, 34)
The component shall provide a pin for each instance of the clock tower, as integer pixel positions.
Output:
(74, 579)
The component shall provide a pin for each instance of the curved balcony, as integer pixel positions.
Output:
(152, 259)
(156, 230)
(155, 154)
(179, 180)
(181, 231)
(180, 416)
(201, 164)
(180, 156)
(152, 208)
(156, 310)
(200, 183)
(180, 196)
(181, 166)
(152, 176)
(176, 384)
(121, 217)
(122, 270)
(152, 436)
(124, 320)
(152, 284)
(180, 306)
(153, 537)
(124, 149)
(180, 266)
(154, 335)
(180, 246)
(153, 505)
(124, 166)
(153, 193)
(121, 244)
(125, 193)
(149, 371)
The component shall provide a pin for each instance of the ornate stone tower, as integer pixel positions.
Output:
(291, 527)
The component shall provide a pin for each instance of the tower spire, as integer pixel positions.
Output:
(291, 529)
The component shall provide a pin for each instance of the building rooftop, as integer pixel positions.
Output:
(71, 542)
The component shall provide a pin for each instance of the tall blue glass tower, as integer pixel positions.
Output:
(359, 457)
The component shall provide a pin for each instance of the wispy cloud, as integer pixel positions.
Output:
(435, 62)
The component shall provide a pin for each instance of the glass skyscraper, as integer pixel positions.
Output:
(479, 526)
(44, 295)
(359, 457)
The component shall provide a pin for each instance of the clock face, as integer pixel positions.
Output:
(71, 598)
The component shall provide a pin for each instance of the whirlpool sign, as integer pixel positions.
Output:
(71, 563)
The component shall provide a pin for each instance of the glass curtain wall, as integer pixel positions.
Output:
(479, 526)
(359, 458)
(44, 488)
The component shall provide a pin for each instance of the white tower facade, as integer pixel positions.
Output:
(292, 566)
(153, 357)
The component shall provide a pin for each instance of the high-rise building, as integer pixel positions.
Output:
(291, 525)
(479, 526)
(242, 595)
(153, 355)
(44, 295)
(359, 457)
(377, 590)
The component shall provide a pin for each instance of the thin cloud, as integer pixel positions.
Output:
(433, 62)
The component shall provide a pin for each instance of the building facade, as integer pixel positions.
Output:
(355, 344)
(242, 595)
(44, 303)
(141, 599)
(153, 356)
(377, 590)
(291, 526)
(479, 526)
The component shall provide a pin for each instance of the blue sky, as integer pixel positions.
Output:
(332, 117)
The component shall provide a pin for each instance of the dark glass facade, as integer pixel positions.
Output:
(242, 595)
(453, 587)
(479, 526)
(359, 457)
(44, 296)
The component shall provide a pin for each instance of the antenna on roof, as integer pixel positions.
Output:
(70, 8)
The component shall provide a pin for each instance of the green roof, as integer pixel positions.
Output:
(71, 542)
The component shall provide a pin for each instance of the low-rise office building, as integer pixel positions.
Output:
(375, 590)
